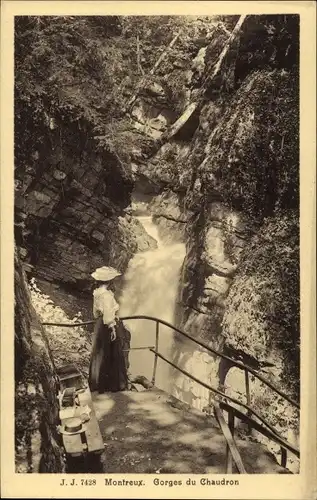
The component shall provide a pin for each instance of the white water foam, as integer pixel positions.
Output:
(150, 288)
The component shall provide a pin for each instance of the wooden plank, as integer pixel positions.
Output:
(229, 461)
(230, 440)
(93, 434)
(69, 376)
(228, 454)
(258, 427)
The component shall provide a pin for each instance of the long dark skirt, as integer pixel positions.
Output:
(108, 363)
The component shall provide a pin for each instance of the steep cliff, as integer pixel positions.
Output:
(36, 407)
(205, 125)
(71, 185)
(247, 172)
(233, 165)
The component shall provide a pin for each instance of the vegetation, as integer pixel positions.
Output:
(82, 71)
(263, 306)
(245, 153)
(243, 147)
(36, 403)
(260, 132)
(68, 345)
(254, 158)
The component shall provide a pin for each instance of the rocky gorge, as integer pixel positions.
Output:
(230, 188)
(224, 181)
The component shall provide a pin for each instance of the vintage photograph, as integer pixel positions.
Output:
(156, 244)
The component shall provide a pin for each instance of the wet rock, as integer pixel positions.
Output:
(151, 117)
(169, 215)
(135, 235)
(69, 204)
(166, 168)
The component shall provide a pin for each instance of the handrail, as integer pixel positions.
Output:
(214, 351)
(239, 364)
(235, 401)
(258, 427)
(69, 325)
(228, 432)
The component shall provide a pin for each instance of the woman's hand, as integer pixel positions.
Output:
(113, 334)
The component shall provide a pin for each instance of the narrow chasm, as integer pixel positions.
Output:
(166, 147)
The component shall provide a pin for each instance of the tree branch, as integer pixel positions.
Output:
(192, 107)
(156, 65)
(160, 59)
(140, 69)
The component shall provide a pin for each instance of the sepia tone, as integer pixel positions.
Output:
(166, 147)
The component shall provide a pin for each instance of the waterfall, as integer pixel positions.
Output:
(150, 288)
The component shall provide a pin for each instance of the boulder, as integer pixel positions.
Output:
(168, 213)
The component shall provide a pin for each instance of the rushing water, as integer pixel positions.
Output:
(150, 288)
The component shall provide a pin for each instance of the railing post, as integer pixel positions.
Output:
(229, 459)
(248, 395)
(283, 457)
(157, 331)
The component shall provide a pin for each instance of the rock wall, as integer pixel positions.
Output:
(168, 213)
(36, 407)
(243, 170)
(236, 170)
(69, 206)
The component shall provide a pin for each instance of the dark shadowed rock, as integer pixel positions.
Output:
(36, 404)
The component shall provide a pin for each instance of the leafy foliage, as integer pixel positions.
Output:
(253, 153)
(268, 42)
(81, 71)
(263, 306)
(68, 345)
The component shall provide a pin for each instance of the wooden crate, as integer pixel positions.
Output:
(70, 376)
(89, 441)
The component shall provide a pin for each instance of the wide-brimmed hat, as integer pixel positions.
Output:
(72, 426)
(105, 273)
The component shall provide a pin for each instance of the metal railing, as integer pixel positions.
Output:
(221, 405)
(228, 430)
(232, 452)
(247, 369)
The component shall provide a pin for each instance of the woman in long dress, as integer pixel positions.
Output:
(108, 364)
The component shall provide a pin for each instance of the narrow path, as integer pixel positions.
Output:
(150, 432)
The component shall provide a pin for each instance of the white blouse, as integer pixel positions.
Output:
(105, 305)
